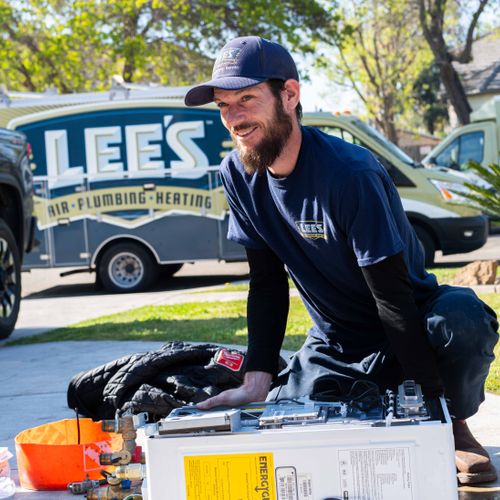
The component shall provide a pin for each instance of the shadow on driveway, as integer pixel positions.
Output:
(167, 284)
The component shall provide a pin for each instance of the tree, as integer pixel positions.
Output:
(76, 45)
(430, 102)
(432, 21)
(46, 43)
(381, 59)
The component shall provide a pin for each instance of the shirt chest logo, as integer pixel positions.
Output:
(312, 229)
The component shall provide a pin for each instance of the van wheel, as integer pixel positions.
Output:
(127, 267)
(428, 243)
(10, 281)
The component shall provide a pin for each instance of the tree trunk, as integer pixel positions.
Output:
(128, 69)
(130, 31)
(455, 91)
(389, 118)
(391, 131)
(431, 16)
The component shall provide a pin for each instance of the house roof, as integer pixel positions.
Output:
(482, 74)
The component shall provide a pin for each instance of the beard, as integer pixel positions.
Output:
(265, 153)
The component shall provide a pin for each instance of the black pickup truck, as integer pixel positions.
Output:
(17, 223)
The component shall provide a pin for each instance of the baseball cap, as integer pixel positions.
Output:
(243, 62)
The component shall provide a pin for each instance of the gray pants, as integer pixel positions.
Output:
(462, 330)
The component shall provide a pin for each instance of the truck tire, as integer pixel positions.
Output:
(428, 243)
(127, 267)
(10, 281)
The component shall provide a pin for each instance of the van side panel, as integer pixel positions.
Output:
(147, 173)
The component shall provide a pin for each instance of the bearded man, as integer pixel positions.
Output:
(327, 212)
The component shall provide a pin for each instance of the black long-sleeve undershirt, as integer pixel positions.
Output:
(389, 283)
(391, 288)
(267, 310)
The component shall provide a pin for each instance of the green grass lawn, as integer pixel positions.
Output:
(493, 381)
(220, 322)
(443, 275)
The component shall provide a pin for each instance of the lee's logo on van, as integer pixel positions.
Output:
(126, 150)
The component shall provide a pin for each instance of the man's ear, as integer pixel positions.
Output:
(291, 94)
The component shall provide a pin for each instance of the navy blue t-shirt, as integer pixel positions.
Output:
(336, 212)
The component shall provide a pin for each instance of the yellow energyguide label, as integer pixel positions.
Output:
(245, 476)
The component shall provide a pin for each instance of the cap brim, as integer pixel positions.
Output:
(204, 93)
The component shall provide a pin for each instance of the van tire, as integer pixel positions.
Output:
(127, 267)
(10, 281)
(428, 243)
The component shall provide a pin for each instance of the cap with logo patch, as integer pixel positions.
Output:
(244, 62)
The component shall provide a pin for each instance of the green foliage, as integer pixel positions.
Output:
(429, 101)
(77, 45)
(486, 199)
(493, 380)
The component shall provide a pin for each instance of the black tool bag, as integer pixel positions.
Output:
(157, 381)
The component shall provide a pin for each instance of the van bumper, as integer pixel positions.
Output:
(461, 234)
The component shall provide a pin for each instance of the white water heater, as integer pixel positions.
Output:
(371, 447)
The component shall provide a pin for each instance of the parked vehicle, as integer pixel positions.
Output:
(478, 141)
(127, 181)
(16, 223)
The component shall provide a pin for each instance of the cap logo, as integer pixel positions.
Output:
(229, 55)
(227, 60)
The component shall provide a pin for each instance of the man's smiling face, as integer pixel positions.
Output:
(257, 122)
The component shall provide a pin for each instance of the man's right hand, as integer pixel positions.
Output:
(255, 388)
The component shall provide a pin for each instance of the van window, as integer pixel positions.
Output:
(382, 141)
(464, 148)
(399, 179)
(342, 134)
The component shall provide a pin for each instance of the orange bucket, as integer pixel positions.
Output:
(50, 456)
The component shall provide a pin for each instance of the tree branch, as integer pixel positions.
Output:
(351, 77)
(466, 55)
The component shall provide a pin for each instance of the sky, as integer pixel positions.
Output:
(320, 94)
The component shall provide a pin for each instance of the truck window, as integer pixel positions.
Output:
(449, 156)
(459, 152)
(471, 148)
(399, 179)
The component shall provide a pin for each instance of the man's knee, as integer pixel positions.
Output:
(460, 324)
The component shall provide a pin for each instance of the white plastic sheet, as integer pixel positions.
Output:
(7, 485)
